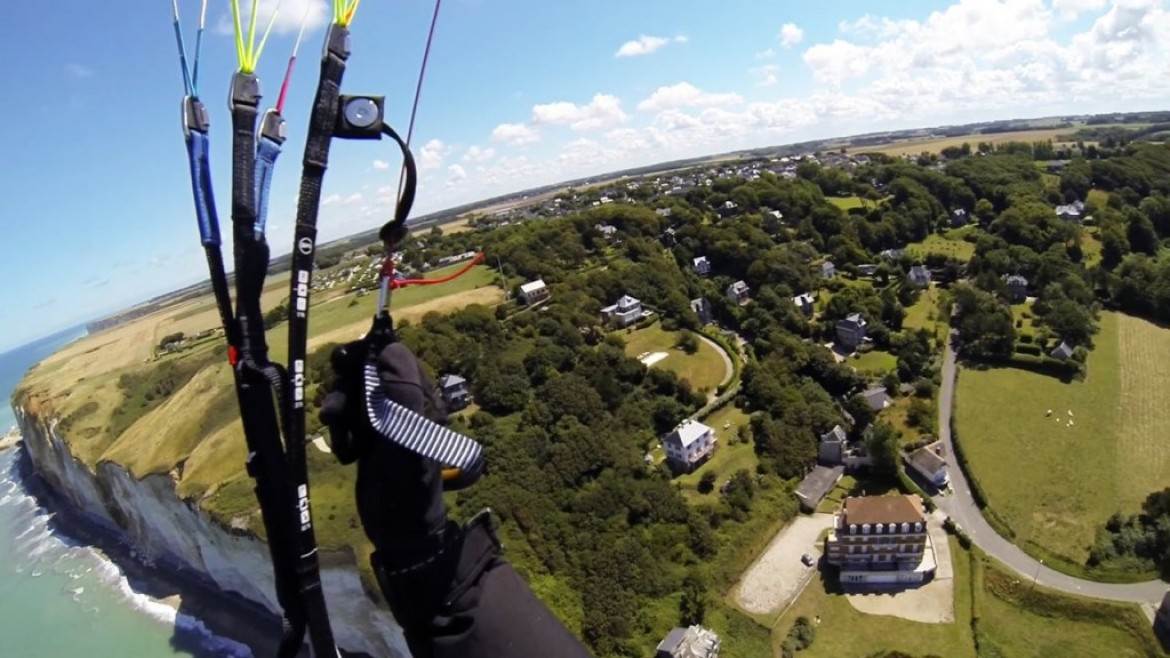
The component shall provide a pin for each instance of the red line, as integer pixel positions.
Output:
(443, 279)
(284, 86)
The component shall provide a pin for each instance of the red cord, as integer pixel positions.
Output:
(388, 270)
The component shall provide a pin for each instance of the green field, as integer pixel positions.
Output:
(705, 369)
(1006, 616)
(729, 457)
(937, 244)
(924, 313)
(1098, 198)
(846, 202)
(874, 362)
(1053, 482)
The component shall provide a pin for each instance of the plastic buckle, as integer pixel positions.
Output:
(195, 118)
(245, 91)
(272, 127)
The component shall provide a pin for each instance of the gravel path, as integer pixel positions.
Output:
(778, 575)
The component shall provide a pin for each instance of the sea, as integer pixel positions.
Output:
(60, 597)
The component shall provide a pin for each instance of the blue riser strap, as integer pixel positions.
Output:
(418, 433)
(267, 151)
(197, 156)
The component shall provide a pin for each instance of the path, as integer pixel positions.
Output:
(730, 372)
(961, 507)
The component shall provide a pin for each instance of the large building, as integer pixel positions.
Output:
(881, 540)
(692, 642)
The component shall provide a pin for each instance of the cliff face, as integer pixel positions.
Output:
(165, 529)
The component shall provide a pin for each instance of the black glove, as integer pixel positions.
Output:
(399, 492)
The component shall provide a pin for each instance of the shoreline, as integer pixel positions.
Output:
(200, 607)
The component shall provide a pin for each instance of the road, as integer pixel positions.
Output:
(960, 506)
(730, 372)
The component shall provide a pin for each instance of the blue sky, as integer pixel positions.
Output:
(95, 202)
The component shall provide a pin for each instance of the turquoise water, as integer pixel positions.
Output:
(61, 599)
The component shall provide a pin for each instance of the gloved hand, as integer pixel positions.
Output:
(399, 492)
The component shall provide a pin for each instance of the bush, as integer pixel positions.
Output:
(1025, 348)
(707, 482)
(1025, 338)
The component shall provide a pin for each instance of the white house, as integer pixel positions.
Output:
(920, 276)
(625, 312)
(739, 292)
(930, 462)
(534, 292)
(804, 302)
(689, 445)
(701, 266)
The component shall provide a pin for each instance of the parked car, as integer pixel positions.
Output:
(807, 560)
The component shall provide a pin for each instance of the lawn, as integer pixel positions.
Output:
(1053, 482)
(846, 202)
(844, 632)
(934, 243)
(1099, 198)
(729, 457)
(705, 369)
(924, 313)
(1091, 246)
(874, 362)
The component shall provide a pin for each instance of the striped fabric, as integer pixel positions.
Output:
(416, 432)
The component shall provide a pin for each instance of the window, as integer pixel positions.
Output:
(879, 528)
(918, 527)
(905, 527)
(865, 528)
(853, 528)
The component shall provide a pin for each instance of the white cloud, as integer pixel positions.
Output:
(836, 62)
(331, 200)
(1070, 9)
(643, 45)
(603, 110)
(381, 164)
(431, 155)
(78, 71)
(516, 134)
(356, 197)
(314, 13)
(767, 53)
(685, 94)
(682, 38)
(457, 172)
(765, 76)
(790, 35)
(478, 154)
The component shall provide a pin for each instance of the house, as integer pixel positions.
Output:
(1017, 288)
(668, 236)
(728, 208)
(851, 331)
(739, 293)
(892, 254)
(920, 276)
(805, 302)
(831, 450)
(877, 398)
(881, 540)
(663, 212)
(701, 266)
(776, 215)
(607, 231)
(453, 388)
(958, 218)
(693, 642)
(828, 269)
(689, 445)
(930, 461)
(816, 485)
(625, 312)
(868, 269)
(1063, 351)
(1071, 212)
(534, 292)
(702, 308)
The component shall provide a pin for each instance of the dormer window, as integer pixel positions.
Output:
(878, 528)
(905, 527)
(853, 528)
(865, 528)
(918, 526)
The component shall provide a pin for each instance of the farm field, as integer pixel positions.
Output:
(1100, 451)
(705, 369)
(915, 147)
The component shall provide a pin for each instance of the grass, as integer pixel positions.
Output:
(844, 632)
(874, 362)
(1099, 198)
(846, 202)
(730, 456)
(705, 369)
(1055, 484)
(924, 313)
(836, 498)
(1091, 246)
(950, 247)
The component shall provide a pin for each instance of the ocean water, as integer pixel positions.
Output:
(61, 598)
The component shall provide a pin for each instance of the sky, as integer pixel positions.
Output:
(95, 200)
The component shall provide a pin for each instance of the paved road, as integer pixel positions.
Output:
(960, 506)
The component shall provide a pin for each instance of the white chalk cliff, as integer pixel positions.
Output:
(166, 529)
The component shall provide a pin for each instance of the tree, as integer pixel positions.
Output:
(692, 607)
(882, 443)
(863, 414)
(688, 342)
(707, 482)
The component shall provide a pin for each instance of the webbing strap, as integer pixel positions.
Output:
(418, 433)
(267, 151)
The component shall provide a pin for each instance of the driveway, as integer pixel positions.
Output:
(961, 506)
(778, 576)
(932, 603)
